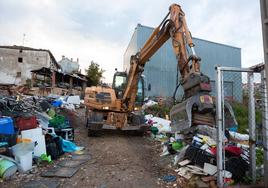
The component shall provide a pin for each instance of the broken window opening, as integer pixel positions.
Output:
(149, 87)
(20, 59)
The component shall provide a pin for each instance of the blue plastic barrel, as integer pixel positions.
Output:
(57, 103)
(6, 125)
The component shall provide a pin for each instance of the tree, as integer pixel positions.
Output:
(94, 73)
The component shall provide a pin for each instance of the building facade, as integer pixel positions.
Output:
(16, 63)
(161, 71)
(69, 65)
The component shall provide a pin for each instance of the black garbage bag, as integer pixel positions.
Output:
(238, 167)
(199, 157)
(53, 146)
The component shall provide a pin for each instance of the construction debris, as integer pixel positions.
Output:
(32, 130)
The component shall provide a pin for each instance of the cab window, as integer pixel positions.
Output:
(120, 82)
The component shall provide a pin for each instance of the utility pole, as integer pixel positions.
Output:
(264, 18)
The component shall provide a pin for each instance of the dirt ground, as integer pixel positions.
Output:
(118, 160)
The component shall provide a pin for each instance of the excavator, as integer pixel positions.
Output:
(117, 107)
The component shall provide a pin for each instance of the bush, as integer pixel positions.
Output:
(241, 115)
(157, 110)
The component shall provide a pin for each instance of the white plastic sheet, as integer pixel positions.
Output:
(73, 100)
(148, 104)
(239, 136)
(162, 125)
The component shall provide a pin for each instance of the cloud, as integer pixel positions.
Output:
(236, 23)
(57, 31)
(100, 30)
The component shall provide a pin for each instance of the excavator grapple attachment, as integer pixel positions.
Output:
(198, 110)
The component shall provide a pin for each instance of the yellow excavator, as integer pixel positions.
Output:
(118, 107)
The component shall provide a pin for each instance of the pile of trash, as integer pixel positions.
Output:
(194, 152)
(32, 130)
(158, 109)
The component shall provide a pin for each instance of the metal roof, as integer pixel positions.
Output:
(45, 71)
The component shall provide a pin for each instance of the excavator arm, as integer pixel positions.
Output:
(173, 26)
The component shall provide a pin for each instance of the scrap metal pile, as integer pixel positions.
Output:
(33, 131)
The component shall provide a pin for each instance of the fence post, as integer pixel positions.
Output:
(265, 127)
(252, 126)
(264, 18)
(219, 126)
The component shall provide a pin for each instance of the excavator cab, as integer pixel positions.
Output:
(119, 86)
(119, 83)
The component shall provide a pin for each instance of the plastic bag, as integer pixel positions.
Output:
(149, 104)
(163, 125)
(69, 146)
(239, 136)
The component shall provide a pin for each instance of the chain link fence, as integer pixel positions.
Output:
(244, 90)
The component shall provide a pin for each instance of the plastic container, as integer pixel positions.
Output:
(26, 123)
(22, 148)
(25, 161)
(6, 125)
(7, 168)
(23, 155)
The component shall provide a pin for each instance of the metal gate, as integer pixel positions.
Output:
(248, 89)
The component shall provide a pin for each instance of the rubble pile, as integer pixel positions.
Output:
(33, 131)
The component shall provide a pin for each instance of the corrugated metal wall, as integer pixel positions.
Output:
(160, 71)
(132, 49)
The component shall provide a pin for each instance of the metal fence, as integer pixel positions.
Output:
(248, 98)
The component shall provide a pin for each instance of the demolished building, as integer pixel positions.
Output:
(45, 81)
(36, 72)
(16, 63)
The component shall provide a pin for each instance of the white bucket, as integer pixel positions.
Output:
(25, 161)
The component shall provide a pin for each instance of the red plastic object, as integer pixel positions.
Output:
(234, 150)
(213, 150)
(25, 123)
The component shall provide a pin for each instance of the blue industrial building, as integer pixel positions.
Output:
(160, 72)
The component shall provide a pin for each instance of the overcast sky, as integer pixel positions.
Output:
(100, 30)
